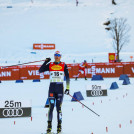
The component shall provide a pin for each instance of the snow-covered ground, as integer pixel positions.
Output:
(77, 31)
(79, 34)
(113, 109)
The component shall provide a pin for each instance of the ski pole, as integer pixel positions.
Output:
(22, 64)
(84, 105)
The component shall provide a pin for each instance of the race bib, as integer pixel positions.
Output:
(56, 76)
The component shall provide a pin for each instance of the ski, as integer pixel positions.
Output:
(52, 133)
(60, 133)
(49, 133)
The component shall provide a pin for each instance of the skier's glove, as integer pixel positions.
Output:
(48, 59)
(66, 92)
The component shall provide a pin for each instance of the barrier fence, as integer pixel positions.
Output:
(28, 72)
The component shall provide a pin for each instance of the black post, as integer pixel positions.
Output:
(21, 64)
(85, 106)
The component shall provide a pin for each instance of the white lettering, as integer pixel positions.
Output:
(93, 68)
(89, 70)
(5, 74)
(30, 72)
(132, 69)
(37, 72)
(41, 75)
(107, 70)
(98, 70)
(42, 46)
(112, 70)
(37, 46)
(8, 74)
(33, 72)
(103, 70)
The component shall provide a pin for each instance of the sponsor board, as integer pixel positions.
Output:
(108, 70)
(96, 90)
(15, 109)
(33, 73)
(29, 72)
(9, 74)
(129, 70)
(43, 46)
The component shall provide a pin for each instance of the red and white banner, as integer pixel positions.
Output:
(28, 72)
(31, 72)
(43, 46)
(9, 74)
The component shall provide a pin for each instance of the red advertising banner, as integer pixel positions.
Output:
(43, 46)
(30, 72)
(9, 74)
(107, 70)
(129, 70)
(70, 69)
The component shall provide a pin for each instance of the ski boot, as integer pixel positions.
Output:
(76, 78)
(59, 128)
(85, 78)
(49, 127)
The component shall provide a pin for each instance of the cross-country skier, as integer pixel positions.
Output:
(82, 68)
(56, 92)
(77, 2)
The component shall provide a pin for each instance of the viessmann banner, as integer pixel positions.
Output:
(30, 72)
(43, 46)
(9, 74)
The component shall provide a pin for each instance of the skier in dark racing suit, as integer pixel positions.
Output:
(56, 92)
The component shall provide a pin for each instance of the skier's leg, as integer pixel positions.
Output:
(78, 74)
(85, 73)
(51, 108)
(51, 97)
(80, 71)
(50, 114)
(59, 100)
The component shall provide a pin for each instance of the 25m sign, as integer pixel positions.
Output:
(14, 109)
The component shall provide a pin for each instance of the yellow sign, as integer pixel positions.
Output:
(112, 57)
(56, 67)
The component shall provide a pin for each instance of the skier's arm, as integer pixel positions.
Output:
(81, 65)
(44, 67)
(67, 77)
